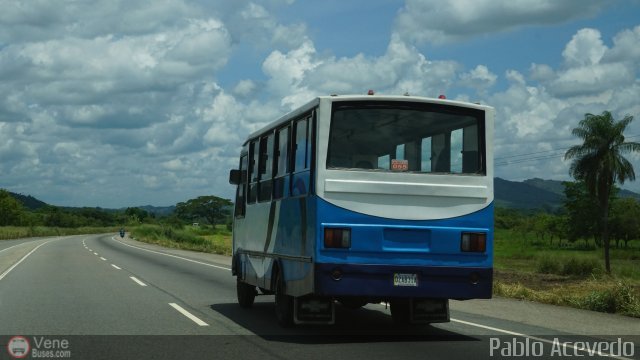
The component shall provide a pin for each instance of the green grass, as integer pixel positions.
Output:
(18, 232)
(571, 274)
(202, 238)
(513, 250)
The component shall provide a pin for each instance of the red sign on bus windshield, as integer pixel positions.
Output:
(399, 165)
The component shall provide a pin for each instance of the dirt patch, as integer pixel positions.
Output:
(534, 281)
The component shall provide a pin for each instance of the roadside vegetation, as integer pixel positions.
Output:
(530, 267)
(17, 232)
(201, 224)
(204, 238)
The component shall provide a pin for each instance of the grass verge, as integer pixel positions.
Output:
(568, 274)
(18, 232)
(604, 295)
(205, 239)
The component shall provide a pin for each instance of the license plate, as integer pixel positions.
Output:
(405, 279)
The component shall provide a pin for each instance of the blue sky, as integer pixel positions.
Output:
(127, 102)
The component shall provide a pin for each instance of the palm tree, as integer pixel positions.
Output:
(600, 164)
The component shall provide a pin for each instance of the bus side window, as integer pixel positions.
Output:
(300, 147)
(266, 168)
(281, 161)
(253, 172)
(300, 179)
(242, 188)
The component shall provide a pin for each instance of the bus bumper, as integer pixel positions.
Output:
(390, 281)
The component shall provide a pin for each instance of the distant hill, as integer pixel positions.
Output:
(553, 186)
(536, 194)
(525, 195)
(32, 203)
(29, 201)
(158, 210)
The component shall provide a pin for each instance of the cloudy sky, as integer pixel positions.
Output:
(118, 103)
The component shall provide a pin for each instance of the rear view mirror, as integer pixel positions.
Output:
(234, 177)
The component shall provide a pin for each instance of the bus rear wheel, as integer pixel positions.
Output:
(246, 294)
(284, 304)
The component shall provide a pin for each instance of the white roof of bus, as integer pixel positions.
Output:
(333, 98)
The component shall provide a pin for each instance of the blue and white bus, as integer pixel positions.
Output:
(366, 199)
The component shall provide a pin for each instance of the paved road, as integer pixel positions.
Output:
(117, 298)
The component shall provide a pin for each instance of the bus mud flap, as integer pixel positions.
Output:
(426, 311)
(314, 310)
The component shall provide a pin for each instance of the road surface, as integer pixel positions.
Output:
(103, 297)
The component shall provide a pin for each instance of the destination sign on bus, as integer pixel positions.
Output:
(399, 165)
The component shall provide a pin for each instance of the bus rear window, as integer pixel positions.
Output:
(415, 137)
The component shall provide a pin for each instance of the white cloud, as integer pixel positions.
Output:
(479, 78)
(590, 67)
(402, 68)
(176, 165)
(625, 46)
(437, 21)
(585, 48)
(541, 72)
(244, 87)
(41, 20)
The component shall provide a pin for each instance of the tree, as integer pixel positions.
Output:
(598, 161)
(582, 212)
(625, 220)
(11, 210)
(211, 208)
(136, 215)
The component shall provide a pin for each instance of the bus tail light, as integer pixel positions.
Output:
(337, 238)
(473, 242)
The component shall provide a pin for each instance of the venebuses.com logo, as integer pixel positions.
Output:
(18, 347)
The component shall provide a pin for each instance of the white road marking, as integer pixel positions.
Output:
(116, 266)
(173, 256)
(568, 344)
(23, 258)
(138, 281)
(103, 259)
(188, 314)
(95, 253)
(12, 247)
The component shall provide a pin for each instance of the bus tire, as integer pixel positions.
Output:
(246, 294)
(400, 311)
(284, 304)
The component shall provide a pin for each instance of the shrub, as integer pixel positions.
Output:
(573, 266)
(618, 298)
(548, 265)
(582, 267)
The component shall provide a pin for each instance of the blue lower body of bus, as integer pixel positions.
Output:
(390, 258)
